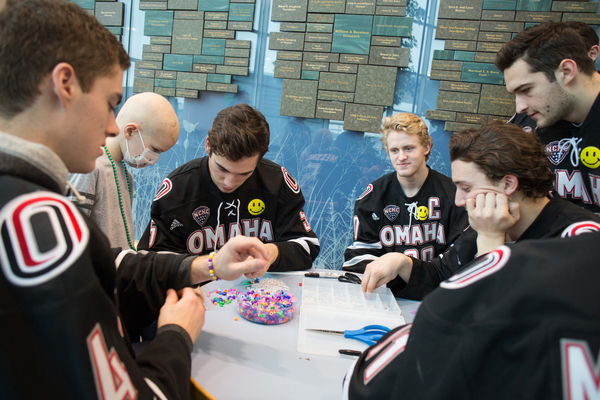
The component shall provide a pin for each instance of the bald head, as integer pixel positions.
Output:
(153, 116)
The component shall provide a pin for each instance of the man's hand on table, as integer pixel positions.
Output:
(385, 269)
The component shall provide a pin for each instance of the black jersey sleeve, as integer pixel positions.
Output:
(157, 235)
(427, 275)
(366, 246)
(142, 281)
(169, 203)
(515, 322)
(297, 242)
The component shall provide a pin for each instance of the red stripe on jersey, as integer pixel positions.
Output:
(486, 265)
(396, 347)
(580, 227)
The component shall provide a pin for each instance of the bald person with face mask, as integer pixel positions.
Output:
(148, 127)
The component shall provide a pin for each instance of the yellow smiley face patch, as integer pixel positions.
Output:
(256, 207)
(590, 157)
(423, 213)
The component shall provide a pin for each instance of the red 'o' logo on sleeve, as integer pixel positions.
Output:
(486, 265)
(42, 235)
(368, 190)
(164, 189)
(291, 182)
(580, 227)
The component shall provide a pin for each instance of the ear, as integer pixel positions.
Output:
(511, 184)
(593, 53)
(566, 72)
(65, 84)
(207, 146)
(428, 148)
(129, 130)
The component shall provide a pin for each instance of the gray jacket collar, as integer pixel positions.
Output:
(36, 154)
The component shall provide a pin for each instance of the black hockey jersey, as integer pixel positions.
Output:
(61, 336)
(574, 157)
(521, 322)
(426, 276)
(524, 121)
(190, 215)
(422, 226)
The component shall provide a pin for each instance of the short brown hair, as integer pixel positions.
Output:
(36, 35)
(543, 47)
(500, 149)
(239, 131)
(587, 33)
(409, 123)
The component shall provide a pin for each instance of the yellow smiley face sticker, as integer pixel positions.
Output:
(590, 157)
(256, 206)
(423, 213)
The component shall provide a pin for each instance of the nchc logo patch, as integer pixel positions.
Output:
(201, 215)
(557, 151)
(42, 235)
(391, 212)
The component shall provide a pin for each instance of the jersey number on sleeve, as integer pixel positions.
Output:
(112, 380)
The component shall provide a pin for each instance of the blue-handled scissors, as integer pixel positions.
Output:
(370, 334)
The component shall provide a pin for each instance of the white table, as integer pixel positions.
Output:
(243, 360)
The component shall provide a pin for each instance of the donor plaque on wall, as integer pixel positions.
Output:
(339, 58)
(193, 46)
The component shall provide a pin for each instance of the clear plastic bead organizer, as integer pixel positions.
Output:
(333, 305)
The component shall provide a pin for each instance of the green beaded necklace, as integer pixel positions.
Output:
(119, 193)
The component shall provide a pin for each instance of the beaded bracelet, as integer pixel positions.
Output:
(211, 269)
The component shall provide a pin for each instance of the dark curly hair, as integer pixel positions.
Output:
(500, 149)
(239, 131)
(543, 47)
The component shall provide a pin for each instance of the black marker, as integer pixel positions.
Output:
(348, 352)
(330, 275)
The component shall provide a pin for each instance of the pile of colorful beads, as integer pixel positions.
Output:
(269, 284)
(222, 296)
(266, 307)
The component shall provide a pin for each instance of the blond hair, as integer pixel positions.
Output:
(405, 122)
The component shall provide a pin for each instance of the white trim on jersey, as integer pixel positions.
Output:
(363, 245)
(303, 242)
(358, 259)
(123, 253)
(487, 265)
(121, 256)
(347, 380)
(580, 227)
(156, 389)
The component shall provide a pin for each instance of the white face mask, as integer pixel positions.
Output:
(146, 158)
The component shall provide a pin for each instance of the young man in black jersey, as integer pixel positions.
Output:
(522, 321)
(503, 182)
(66, 308)
(410, 211)
(556, 83)
(233, 191)
(590, 37)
